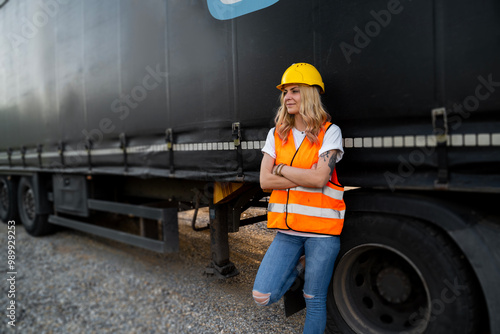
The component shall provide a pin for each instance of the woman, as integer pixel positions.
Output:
(306, 205)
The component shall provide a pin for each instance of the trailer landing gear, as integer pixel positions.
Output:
(219, 243)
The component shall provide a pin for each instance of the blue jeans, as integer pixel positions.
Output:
(278, 271)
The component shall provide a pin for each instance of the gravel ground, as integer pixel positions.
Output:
(72, 282)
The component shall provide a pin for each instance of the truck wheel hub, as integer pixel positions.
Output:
(377, 287)
(29, 204)
(393, 285)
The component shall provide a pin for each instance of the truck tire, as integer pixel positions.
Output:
(8, 199)
(400, 275)
(35, 224)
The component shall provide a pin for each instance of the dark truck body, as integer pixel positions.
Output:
(172, 101)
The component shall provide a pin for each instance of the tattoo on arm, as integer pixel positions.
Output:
(331, 158)
(325, 156)
(331, 163)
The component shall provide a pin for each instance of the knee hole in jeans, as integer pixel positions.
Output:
(261, 298)
(308, 296)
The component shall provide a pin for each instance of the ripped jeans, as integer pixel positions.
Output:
(278, 270)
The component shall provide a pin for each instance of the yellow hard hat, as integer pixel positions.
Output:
(302, 73)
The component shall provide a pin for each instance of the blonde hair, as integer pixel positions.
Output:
(311, 109)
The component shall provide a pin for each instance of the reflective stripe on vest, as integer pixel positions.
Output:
(314, 210)
(306, 210)
(332, 193)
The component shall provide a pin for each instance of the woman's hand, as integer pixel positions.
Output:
(268, 180)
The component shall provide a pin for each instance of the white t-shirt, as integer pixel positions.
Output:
(331, 141)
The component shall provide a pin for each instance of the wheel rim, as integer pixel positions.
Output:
(380, 290)
(4, 196)
(29, 203)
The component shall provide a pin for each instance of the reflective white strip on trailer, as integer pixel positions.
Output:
(215, 146)
(454, 140)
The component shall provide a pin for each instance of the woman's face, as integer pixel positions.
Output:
(291, 97)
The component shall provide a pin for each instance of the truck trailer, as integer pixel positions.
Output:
(116, 114)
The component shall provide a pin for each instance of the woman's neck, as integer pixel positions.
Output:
(299, 123)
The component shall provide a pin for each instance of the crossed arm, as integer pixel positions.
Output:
(316, 177)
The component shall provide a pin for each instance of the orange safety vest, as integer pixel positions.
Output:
(312, 210)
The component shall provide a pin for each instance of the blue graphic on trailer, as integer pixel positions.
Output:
(229, 9)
